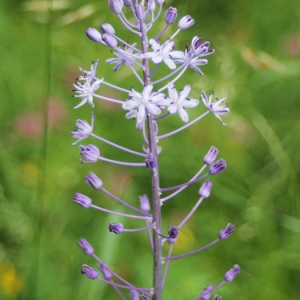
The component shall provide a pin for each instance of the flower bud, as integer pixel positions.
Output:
(159, 1)
(140, 13)
(107, 274)
(134, 295)
(171, 15)
(151, 5)
(82, 200)
(151, 161)
(86, 247)
(206, 293)
(128, 3)
(211, 155)
(94, 34)
(173, 232)
(116, 6)
(232, 273)
(217, 167)
(107, 28)
(116, 228)
(89, 272)
(186, 22)
(94, 181)
(144, 203)
(205, 189)
(226, 233)
(90, 153)
(109, 40)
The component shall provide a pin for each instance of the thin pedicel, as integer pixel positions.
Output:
(154, 97)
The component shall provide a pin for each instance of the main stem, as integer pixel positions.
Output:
(156, 206)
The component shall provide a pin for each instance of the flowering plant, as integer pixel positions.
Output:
(155, 99)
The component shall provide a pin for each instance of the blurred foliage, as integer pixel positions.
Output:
(256, 65)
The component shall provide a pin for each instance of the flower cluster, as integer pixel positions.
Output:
(154, 98)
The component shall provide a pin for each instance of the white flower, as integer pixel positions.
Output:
(163, 53)
(216, 108)
(180, 102)
(86, 91)
(144, 102)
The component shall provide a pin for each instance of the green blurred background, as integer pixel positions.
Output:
(256, 65)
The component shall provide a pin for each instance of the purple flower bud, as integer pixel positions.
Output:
(93, 180)
(217, 167)
(211, 155)
(107, 28)
(173, 232)
(205, 189)
(151, 5)
(83, 200)
(83, 130)
(134, 295)
(116, 6)
(225, 233)
(151, 161)
(116, 228)
(86, 247)
(140, 13)
(89, 272)
(109, 40)
(171, 15)
(107, 274)
(218, 297)
(128, 3)
(206, 293)
(94, 35)
(186, 22)
(232, 273)
(145, 205)
(159, 1)
(144, 297)
(90, 152)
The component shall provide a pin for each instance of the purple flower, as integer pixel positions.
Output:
(107, 28)
(206, 293)
(109, 40)
(179, 102)
(211, 155)
(116, 228)
(186, 22)
(89, 272)
(116, 6)
(107, 274)
(217, 167)
(145, 205)
(83, 129)
(90, 153)
(232, 273)
(205, 189)
(171, 15)
(94, 181)
(86, 247)
(82, 200)
(216, 108)
(151, 161)
(94, 34)
(173, 232)
(227, 232)
(134, 295)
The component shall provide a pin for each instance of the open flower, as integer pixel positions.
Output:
(180, 101)
(83, 129)
(216, 107)
(163, 53)
(86, 91)
(145, 102)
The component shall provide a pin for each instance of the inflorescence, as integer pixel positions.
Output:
(153, 99)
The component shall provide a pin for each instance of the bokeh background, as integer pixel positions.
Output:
(256, 65)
